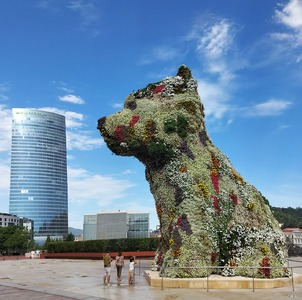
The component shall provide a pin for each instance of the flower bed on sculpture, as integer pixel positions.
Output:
(209, 215)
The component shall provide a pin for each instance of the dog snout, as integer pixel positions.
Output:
(101, 123)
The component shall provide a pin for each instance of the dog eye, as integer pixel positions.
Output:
(131, 105)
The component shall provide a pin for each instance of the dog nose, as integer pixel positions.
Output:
(101, 123)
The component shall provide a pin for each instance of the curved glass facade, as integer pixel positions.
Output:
(38, 179)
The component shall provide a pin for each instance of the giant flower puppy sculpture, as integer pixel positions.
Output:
(209, 215)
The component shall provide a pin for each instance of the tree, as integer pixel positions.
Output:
(47, 242)
(14, 239)
(289, 217)
(69, 237)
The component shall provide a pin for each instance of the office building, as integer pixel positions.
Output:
(38, 182)
(138, 225)
(115, 225)
(7, 220)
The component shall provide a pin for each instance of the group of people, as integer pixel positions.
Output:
(119, 264)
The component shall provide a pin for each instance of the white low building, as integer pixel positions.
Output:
(13, 220)
(105, 225)
(293, 235)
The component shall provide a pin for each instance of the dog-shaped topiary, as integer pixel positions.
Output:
(209, 215)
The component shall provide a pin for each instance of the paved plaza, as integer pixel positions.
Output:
(82, 279)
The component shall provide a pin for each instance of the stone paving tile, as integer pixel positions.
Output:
(82, 279)
(13, 293)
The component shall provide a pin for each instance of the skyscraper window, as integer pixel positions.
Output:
(38, 179)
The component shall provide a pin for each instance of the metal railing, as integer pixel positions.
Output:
(209, 268)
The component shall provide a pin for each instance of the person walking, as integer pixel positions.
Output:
(107, 268)
(131, 270)
(119, 264)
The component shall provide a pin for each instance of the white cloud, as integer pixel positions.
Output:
(165, 53)
(82, 140)
(4, 89)
(269, 108)
(214, 98)
(4, 184)
(285, 194)
(89, 13)
(160, 53)
(127, 172)
(75, 136)
(63, 86)
(215, 44)
(118, 105)
(4, 171)
(216, 39)
(47, 5)
(290, 16)
(283, 126)
(72, 99)
(73, 119)
(5, 128)
(85, 188)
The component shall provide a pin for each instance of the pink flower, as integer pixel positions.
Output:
(158, 89)
(133, 120)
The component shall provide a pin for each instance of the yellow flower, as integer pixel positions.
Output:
(204, 190)
(250, 206)
(264, 249)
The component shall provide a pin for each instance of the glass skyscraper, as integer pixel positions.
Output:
(38, 179)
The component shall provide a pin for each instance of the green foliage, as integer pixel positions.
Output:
(266, 201)
(185, 72)
(182, 126)
(69, 237)
(93, 246)
(170, 125)
(288, 217)
(188, 105)
(160, 150)
(14, 239)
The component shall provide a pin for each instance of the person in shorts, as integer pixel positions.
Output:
(131, 270)
(107, 268)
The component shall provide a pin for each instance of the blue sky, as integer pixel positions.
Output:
(81, 58)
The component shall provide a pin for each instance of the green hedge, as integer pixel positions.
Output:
(93, 246)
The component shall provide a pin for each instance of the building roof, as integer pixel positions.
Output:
(292, 229)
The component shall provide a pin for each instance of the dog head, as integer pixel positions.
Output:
(157, 120)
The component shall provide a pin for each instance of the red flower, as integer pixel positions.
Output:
(215, 178)
(133, 120)
(265, 263)
(234, 198)
(216, 204)
(158, 89)
(118, 133)
(213, 257)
